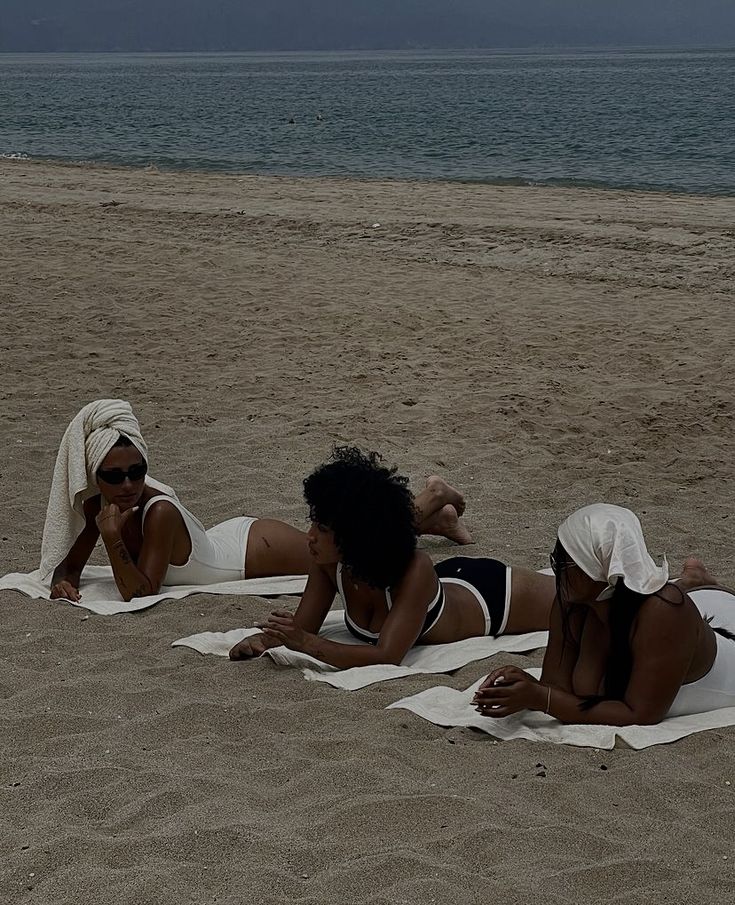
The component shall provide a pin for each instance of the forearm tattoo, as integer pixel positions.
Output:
(141, 589)
(122, 551)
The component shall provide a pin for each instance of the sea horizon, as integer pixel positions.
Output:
(647, 119)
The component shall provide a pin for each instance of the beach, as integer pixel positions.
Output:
(541, 348)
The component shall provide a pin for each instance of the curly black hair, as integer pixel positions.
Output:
(371, 511)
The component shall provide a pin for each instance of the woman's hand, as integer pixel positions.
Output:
(111, 521)
(282, 628)
(65, 590)
(252, 646)
(507, 690)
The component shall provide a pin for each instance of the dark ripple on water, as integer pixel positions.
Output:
(629, 120)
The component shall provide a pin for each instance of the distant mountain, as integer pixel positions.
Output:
(210, 25)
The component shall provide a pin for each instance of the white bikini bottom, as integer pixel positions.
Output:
(717, 689)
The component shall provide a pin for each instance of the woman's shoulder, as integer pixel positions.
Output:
(161, 521)
(669, 609)
(420, 571)
(159, 508)
(669, 596)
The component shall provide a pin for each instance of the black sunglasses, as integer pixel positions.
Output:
(117, 475)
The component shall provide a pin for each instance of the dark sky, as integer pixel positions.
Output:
(76, 25)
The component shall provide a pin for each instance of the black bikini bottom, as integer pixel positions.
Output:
(489, 579)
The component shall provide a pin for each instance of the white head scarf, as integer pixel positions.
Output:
(89, 437)
(607, 543)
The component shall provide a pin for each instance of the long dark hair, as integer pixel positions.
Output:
(624, 607)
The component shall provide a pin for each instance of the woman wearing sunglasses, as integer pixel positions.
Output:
(626, 645)
(362, 542)
(151, 539)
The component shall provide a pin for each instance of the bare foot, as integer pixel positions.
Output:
(694, 574)
(446, 523)
(446, 493)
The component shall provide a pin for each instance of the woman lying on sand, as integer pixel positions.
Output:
(362, 542)
(152, 539)
(626, 646)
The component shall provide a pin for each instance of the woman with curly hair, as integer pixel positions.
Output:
(101, 489)
(362, 540)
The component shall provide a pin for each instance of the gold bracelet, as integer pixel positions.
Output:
(548, 699)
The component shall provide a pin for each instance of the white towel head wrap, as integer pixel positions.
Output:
(86, 441)
(607, 543)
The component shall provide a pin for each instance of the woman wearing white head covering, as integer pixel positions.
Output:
(101, 489)
(626, 646)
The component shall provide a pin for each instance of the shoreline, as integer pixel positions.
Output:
(510, 182)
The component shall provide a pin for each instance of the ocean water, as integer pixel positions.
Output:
(651, 120)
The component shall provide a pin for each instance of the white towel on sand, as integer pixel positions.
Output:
(449, 707)
(100, 594)
(89, 437)
(424, 658)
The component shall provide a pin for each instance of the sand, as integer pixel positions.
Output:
(541, 348)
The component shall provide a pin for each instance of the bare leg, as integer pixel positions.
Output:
(435, 495)
(275, 548)
(438, 510)
(695, 574)
(446, 523)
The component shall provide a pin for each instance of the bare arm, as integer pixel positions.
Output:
(560, 660)
(663, 644)
(397, 636)
(146, 576)
(399, 632)
(65, 580)
(308, 619)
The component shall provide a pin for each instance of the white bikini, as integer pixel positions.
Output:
(217, 554)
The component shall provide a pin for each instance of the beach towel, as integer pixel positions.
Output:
(423, 658)
(449, 707)
(100, 594)
(89, 437)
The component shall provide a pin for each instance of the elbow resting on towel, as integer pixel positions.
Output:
(348, 656)
(144, 589)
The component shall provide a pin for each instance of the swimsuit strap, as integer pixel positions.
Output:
(341, 589)
(190, 520)
(433, 611)
(156, 499)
